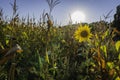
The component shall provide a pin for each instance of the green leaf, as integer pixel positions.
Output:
(117, 45)
(1, 46)
(10, 28)
(110, 65)
(47, 57)
(7, 41)
(39, 61)
(103, 48)
(25, 34)
(118, 78)
(105, 34)
(119, 56)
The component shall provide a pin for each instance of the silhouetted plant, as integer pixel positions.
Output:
(14, 7)
(52, 4)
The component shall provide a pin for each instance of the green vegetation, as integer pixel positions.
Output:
(52, 53)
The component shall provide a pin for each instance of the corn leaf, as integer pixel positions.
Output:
(103, 48)
(110, 65)
(47, 57)
(117, 45)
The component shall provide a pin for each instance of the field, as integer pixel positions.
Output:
(50, 52)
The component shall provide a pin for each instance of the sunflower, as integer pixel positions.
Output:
(83, 33)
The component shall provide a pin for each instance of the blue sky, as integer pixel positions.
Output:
(93, 9)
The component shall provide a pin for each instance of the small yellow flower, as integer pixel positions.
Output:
(83, 33)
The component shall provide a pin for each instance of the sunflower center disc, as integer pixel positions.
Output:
(84, 34)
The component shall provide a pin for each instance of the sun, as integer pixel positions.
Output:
(78, 17)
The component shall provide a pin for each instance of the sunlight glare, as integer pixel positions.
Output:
(78, 17)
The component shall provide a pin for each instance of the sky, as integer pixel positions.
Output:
(93, 9)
